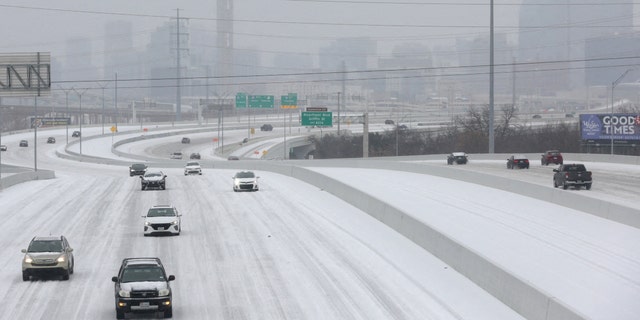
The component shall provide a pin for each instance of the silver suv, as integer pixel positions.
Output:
(48, 255)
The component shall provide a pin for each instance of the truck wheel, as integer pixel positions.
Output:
(143, 187)
(555, 185)
(119, 314)
(565, 186)
(587, 186)
(65, 276)
(25, 276)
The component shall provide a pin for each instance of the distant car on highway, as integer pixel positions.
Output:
(176, 156)
(551, 156)
(245, 181)
(3, 147)
(153, 179)
(75, 134)
(575, 175)
(194, 156)
(186, 140)
(457, 158)
(233, 158)
(51, 140)
(266, 127)
(137, 169)
(24, 143)
(192, 167)
(389, 122)
(518, 161)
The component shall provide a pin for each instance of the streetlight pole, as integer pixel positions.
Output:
(66, 98)
(339, 112)
(103, 87)
(81, 116)
(613, 86)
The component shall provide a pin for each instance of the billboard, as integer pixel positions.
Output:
(49, 122)
(617, 126)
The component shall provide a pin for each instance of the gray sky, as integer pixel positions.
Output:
(29, 29)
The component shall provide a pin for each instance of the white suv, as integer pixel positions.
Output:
(162, 219)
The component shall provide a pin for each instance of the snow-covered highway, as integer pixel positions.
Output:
(293, 251)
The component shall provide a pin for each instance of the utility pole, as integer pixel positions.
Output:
(115, 105)
(178, 68)
(339, 113)
(491, 106)
(81, 116)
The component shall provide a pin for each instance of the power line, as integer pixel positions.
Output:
(550, 4)
(333, 73)
(291, 22)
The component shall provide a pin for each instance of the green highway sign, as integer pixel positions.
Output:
(241, 100)
(260, 101)
(289, 101)
(324, 119)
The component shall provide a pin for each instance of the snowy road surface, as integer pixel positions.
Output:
(289, 251)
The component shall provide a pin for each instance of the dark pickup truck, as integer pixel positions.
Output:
(572, 175)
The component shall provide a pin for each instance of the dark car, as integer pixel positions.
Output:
(389, 122)
(518, 161)
(551, 156)
(266, 127)
(575, 175)
(76, 134)
(142, 286)
(51, 140)
(186, 140)
(137, 169)
(3, 147)
(153, 179)
(24, 143)
(194, 155)
(457, 158)
(233, 158)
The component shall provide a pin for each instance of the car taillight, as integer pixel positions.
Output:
(526, 161)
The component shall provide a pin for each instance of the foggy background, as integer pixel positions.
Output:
(548, 54)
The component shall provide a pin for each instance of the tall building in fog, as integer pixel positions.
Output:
(78, 63)
(224, 64)
(557, 33)
(120, 56)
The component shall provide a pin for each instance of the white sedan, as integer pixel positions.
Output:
(192, 167)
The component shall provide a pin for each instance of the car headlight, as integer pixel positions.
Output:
(124, 293)
(174, 222)
(28, 259)
(164, 292)
(147, 223)
(61, 258)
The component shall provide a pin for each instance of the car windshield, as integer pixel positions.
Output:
(192, 164)
(161, 212)
(45, 246)
(245, 175)
(142, 273)
(554, 153)
(152, 174)
(138, 166)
